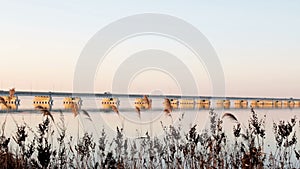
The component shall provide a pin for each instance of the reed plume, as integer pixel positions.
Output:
(147, 101)
(2, 101)
(230, 116)
(44, 111)
(3, 126)
(75, 109)
(138, 110)
(11, 93)
(87, 114)
(168, 106)
(167, 111)
(115, 109)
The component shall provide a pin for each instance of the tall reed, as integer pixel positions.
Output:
(176, 148)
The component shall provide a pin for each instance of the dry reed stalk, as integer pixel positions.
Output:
(138, 110)
(11, 93)
(44, 111)
(115, 109)
(230, 116)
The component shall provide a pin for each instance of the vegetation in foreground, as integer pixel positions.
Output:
(176, 149)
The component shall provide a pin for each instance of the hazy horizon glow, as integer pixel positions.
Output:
(257, 43)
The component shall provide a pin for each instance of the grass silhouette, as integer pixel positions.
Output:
(175, 149)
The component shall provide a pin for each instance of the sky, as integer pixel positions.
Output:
(257, 43)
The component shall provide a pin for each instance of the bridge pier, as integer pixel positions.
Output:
(44, 101)
(223, 104)
(244, 103)
(240, 104)
(139, 103)
(288, 103)
(11, 103)
(108, 102)
(297, 103)
(203, 104)
(69, 102)
(257, 103)
(268, 103)
(187, 104)
(285, 103)
(278, 104)
(291, 103)
(174, 103)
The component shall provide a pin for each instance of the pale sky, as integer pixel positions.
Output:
(257, 42)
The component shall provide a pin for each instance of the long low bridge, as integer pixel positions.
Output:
(103, 95)
(178, 101)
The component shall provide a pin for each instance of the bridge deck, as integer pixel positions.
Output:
(101, 95)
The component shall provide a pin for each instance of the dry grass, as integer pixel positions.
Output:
(175, 149)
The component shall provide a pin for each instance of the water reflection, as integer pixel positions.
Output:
(134, 124)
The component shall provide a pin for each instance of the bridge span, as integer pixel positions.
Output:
(45, 99)
(102, 95)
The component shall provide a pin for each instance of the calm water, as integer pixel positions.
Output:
(135, 126)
